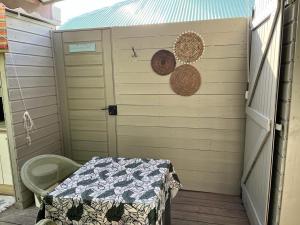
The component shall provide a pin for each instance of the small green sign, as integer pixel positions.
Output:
(82, 47)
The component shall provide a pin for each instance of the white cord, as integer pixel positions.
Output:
(28, 126)
(28, 122)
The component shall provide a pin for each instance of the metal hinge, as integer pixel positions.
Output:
(288, 2)
(278, 127)
(246, 95)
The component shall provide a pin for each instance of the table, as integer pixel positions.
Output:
(113, 191)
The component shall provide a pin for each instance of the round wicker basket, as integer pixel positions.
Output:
(185, 80)
(189, 47)
(163, 62)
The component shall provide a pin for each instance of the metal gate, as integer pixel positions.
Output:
(266, 29)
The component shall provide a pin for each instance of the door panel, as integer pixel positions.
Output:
(1, 172)
(5, 160)
(84, 70)
(261, 108)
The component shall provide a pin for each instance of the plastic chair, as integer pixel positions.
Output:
(46, 222)
(42, 173)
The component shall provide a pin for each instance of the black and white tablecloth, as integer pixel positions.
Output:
(113, 191)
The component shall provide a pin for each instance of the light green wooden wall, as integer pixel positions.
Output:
(203, 134)
(283, 112)
(86, 86)
(30, 54)
(286, 185)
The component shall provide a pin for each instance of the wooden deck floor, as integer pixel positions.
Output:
(188, 208)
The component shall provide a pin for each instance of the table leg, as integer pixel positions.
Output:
(167, 216)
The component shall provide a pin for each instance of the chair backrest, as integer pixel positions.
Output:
(44, 171)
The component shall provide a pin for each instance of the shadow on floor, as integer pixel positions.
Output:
(14, 216)
(188, 208)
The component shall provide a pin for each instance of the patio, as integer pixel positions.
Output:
(214, 96)
(188, 208)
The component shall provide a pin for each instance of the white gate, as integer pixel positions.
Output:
(261, 108)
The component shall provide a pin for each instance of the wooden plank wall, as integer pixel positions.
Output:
(285, 191)
(203, 134)
(290, 193)
(83, 88)
(283, 113)
(30, 57)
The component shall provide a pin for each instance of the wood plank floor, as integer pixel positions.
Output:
(188, 208)
(199, 208)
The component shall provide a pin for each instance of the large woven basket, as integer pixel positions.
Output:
(185, 80)
(189, 47)
(163, 62)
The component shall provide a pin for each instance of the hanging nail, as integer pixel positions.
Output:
(134, 55)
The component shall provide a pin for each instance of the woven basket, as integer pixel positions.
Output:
(189, 47)
(163, 62)
(185, 80)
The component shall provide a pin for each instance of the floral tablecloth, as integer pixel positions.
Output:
(113, 191)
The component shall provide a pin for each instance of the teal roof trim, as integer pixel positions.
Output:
(142, 12)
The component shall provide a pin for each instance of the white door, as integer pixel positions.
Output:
(5, 164)
(1, 172)
(261, 108)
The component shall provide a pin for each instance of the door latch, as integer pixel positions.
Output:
(112, 110)
(278, 127)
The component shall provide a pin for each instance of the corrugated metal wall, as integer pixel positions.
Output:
(30, 56)
(203, 134)
(146, 12)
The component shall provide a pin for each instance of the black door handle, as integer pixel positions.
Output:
(112, 110)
